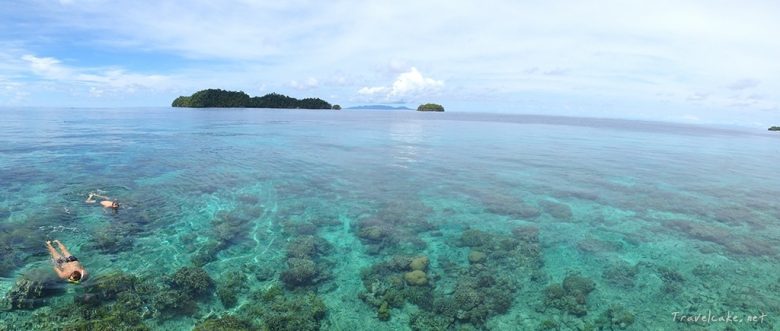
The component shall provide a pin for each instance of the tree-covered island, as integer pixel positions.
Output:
(430, 107)
(774, 128)
(231, 99)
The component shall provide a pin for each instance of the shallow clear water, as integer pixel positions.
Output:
(528, 222)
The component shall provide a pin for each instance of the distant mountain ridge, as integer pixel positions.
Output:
(382, 107)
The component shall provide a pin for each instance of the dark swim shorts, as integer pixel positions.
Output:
(67, 259)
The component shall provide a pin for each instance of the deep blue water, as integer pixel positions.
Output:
(310, 219)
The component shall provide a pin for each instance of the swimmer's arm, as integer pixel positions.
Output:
(61, 273)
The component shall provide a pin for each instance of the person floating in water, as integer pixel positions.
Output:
(106, 203)
(66, 265)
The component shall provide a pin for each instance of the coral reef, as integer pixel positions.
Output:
(111, 301)
(616, 317)
(426, 321)
(300, 272)
(228, 291)
(18, 242)
(742, 245)
(395, 223)
(419, 263)
(476, 257)
(178, 293)
(509, 206)
(593, 245)
(557, 210)
(307, 247)
(672, 281)
(570, 296)
(303, 263)
(620, 274)
(297, 312)
(113, 238)
(488, 285)
(223, 323)
(194, 281)
(227, 229)
(391, 283)
(31, 289)
(416, 278)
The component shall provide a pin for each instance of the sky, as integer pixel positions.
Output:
(708, 61)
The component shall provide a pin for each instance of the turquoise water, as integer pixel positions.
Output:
(294, 219)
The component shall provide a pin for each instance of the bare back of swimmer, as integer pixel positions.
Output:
(66, 265)
(106, 202)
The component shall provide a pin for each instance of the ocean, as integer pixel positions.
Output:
(245, 219)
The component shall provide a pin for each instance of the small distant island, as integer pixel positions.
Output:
(380, 107)
(430, 107)
(774, 128)
(216, 98)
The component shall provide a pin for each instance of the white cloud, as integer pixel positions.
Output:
(408, 84)
(47, 67)
(308, 84)
(744, 84)
(53, 75)
(99, 78)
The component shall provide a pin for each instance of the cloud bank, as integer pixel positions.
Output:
(410, 84)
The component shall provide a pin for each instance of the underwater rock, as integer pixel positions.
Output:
(416, 278)
(419, 263)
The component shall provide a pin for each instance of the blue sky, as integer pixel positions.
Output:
(691, 61)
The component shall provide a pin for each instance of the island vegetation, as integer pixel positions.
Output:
(430, 107)
(231, 99)
(774, 128)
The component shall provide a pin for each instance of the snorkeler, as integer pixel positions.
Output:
(106, 203)
(66, 265)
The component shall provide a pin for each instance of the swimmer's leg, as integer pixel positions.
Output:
(55, 255)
